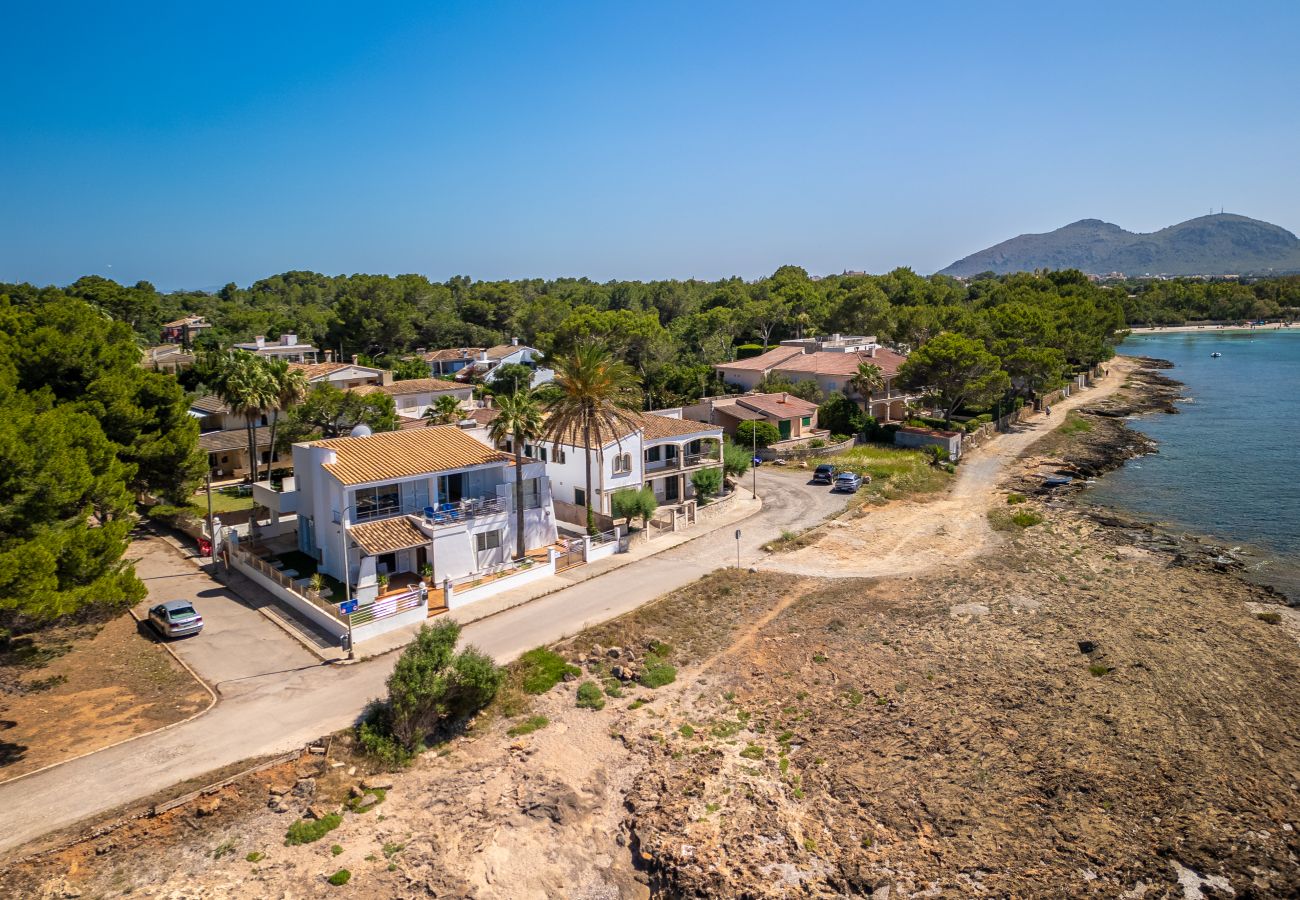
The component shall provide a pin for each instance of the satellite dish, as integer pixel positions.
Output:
(362, 430)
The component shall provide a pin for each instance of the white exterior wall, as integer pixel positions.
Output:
(570, 474)
(322, 498)
(414, 405)
(747, 379)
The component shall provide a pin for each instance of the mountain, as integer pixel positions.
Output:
(1223, 244)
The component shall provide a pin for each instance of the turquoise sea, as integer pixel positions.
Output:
(1229, 464)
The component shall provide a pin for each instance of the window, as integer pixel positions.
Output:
(652, 455)
(579, 497)
(559, 456)
(487, 540)
(807, 421)
(372, 502)
(622, 463)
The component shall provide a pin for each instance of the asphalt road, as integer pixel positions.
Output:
(275, 696)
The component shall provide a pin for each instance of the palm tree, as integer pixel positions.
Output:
(289, 388)
(445, 411)
(868, 379)
(519, 418)
(241, 382)
(596, 397)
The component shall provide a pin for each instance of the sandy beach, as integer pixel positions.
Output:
(1188, 329)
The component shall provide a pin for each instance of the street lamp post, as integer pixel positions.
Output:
(753, 462)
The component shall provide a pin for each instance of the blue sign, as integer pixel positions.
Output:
(348, 608)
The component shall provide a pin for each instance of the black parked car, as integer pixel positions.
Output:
(824, 474)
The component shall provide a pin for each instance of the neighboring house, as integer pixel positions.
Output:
(343, 376)
(909, 436)
(831, 363)
(656, 450)
(183, 330)
(223, 436)
(413, 396)
(793, 418)
(461, 361)
(168, 358)
(286, 348)
(371, 493)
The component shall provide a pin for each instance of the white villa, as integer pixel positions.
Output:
(286, 348)
(403, 499)
(341, 375)
(482, 360)
(658, 449)
(413, 396)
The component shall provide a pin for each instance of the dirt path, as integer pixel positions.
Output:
(906, 537)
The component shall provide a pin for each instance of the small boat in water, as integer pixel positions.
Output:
(1215, 355)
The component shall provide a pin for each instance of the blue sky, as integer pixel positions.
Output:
(196, 144)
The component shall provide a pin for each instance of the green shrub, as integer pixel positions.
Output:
(336, 850)
(632, 503)
(255, 857)
(1272, 618)
(736, 460)
(816, 444)
(1014, 499)
(686, 730)
(528, 726)
(753, 751)
(935, 453)
(306, 831)
(340, 878)
(1097, 670)
(432, 684)
(656, 672)
(373, 734)
(839, 438)
(590, 696)
(660, 649)
(764, 432)
(1026, 518)
(707, 482)
(745, 351)
(542, 669)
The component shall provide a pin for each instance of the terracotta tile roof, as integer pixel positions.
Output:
(184, 320)
(780, 406)
(387, 535)
(738, 412)
(651, 426)
(405, 453)
(762, 362)
(451, 354)
(316, 370)
(825, 363)
(209, 404)
(657, 427)
(411, 386)
(484, 415)
(219, 441)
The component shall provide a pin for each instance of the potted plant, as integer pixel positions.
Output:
(382, 580)
(426, 572)
(317, 582)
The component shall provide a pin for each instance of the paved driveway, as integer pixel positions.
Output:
(275, 696)
(238, 646)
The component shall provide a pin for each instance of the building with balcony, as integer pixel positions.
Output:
(830, 363)
(793, 418)
(415, 396)
(341, 375)
(399, 501)
(655, 449)
(183, 330)
(286, 348)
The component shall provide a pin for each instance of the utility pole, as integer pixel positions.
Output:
(753, 461)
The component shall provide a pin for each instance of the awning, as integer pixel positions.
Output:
(388, 535)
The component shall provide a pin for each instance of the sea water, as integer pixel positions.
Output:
(1229, 463)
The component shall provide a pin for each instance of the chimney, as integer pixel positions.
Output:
(514, 342)
(420, 351)
(288, 340)
(385, 376)
(482, 356)
(871, 351)
(464, 353)
(785, 398)
(329, 356)
(356, 359)
(261, 341)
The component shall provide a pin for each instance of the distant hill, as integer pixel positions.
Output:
(1223, 244)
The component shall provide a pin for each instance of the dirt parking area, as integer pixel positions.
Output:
(78, 688)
